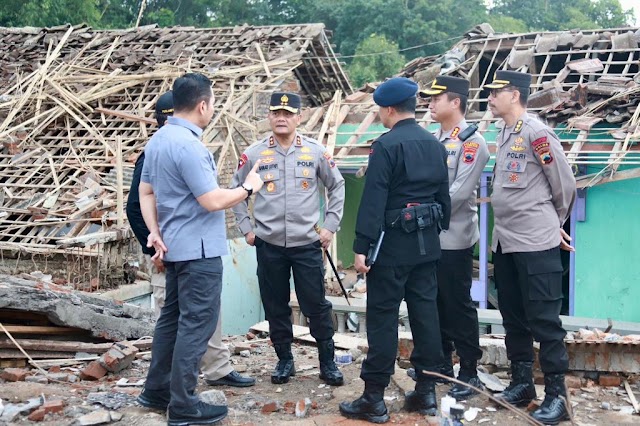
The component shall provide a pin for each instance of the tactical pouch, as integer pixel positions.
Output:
(416, 217)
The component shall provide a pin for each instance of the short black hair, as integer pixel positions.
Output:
(189, 90)
(524, 94)
(463, 100)
(408, 105)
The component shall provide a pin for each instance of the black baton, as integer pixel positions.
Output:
(335, 271)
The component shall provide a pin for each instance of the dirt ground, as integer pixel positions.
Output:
(592, 405)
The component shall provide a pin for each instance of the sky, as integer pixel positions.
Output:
(635, 4)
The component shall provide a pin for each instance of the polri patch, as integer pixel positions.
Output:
(271, 187)
(513, 177)
(242, 161)
(305, 184)
(329, 159)
(542, 148)
(469, 151)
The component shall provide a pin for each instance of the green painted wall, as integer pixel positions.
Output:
(608, 253)
(353, 193)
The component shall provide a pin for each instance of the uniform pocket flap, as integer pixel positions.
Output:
(544, 265)
(305, 172)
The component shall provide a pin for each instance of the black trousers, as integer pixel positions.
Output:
(458, 314)
(274, 272)
(386, 287)
(187, 322)
(530, 297)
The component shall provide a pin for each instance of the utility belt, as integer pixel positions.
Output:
(415, 217)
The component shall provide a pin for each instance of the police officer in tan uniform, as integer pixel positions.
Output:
(465, 161)
(286, 212)
(533, 193)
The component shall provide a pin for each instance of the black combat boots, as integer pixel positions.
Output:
(284, 368)
(423, 399)
(328, 369)
(521, 390)
(553, 409)
(370, 406)
(468, 374)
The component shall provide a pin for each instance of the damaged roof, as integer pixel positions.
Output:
(586, 84)
(74, 98)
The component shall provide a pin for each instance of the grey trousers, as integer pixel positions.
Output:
(215, 362)
(187, 321)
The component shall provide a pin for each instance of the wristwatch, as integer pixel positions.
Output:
(247, 188)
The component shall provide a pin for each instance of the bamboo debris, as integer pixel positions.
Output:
(78, 109)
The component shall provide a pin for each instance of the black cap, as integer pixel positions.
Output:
(446, 83)
(510, 78)
(165, 104)
(287, 101)
(394, 91)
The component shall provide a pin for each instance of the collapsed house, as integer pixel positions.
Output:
(586, 85)
(77, 108)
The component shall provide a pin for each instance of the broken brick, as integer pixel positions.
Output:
(405, 347)
(241, 346)
(14, 374)
(93, 371)
(38, 415)
(609, 380)
(56, 406)
(250, 336)
(54, 369)
(289, 407)
(118, 357)
(573, 382)
(270, 407)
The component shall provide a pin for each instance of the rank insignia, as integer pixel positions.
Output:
(469, 152)
(305, 184)
(305, 157)
(305, 149)
(271, 187)
(454, 133)
(305, 172)
(272, 142)
(267, 160)
(513, 177)
(268, 152)
(518, 126)
(242, 161)
(542, 148)
(298, 141)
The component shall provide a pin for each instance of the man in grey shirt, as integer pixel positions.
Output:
(182, 206)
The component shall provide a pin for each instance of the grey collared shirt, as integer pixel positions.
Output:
(180, 169)
(288, 205)
(465, 163)
(533, 188)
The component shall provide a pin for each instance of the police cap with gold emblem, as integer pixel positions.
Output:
(446, 83)
(502, 79)
(394, 91)
(164, 107)
(287, 101)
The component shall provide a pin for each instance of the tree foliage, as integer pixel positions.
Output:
(371, 65)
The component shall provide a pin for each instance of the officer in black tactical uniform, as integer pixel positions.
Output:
(406, 194)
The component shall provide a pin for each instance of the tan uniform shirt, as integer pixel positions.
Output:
(287, 207)
(465, 163)
(533, 188)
